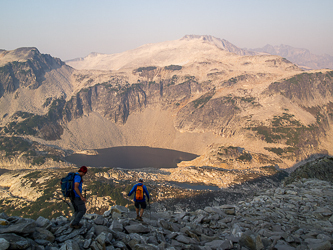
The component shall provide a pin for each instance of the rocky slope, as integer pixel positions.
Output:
(36, 192)
(297, 215)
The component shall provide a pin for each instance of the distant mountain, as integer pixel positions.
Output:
(186, 50)
(302, 57)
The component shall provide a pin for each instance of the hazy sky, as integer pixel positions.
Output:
(73, 28)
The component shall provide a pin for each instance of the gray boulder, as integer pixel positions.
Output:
(137, 228)
(4, 244)
(43, 234)
(116, 226)
(219, 244)
(99, 220)
(96, 246)
(145, 247)
(16, 241)
(184, 239)
(73, 234)
(247, 241)
(100, 229)
(70, 245)
(42, 222)
(319, 245)
(22, 227)
(104, 238)
(119, 209)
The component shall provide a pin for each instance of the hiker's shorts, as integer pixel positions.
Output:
(143, 204)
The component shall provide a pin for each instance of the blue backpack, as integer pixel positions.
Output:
(67, 185)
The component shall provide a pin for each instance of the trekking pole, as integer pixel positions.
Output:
(64, 200)
(85, 193)
(69, 204)
(149, 210)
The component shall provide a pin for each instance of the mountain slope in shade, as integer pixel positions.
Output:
(302, 57)
(189, 49)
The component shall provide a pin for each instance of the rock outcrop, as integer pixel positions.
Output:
(320, 168)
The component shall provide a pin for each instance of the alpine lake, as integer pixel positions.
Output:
(132, 157)
(137, 157)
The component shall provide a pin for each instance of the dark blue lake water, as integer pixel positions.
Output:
(131, 157)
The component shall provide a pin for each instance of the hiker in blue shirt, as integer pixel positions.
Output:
(78, 200)
(139, 198)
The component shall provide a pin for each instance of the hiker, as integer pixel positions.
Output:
(78, 200)
(139, 198)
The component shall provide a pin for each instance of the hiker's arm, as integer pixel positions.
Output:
(77, 190)
(146, 191)
(132, 190)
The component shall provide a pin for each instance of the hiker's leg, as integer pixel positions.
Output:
(137, 209)
(74, 210)
(143, 207)
(81, 206)
(141, 212)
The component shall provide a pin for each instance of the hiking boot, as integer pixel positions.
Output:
(140, 218)
(137, 217)
(76, 226)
